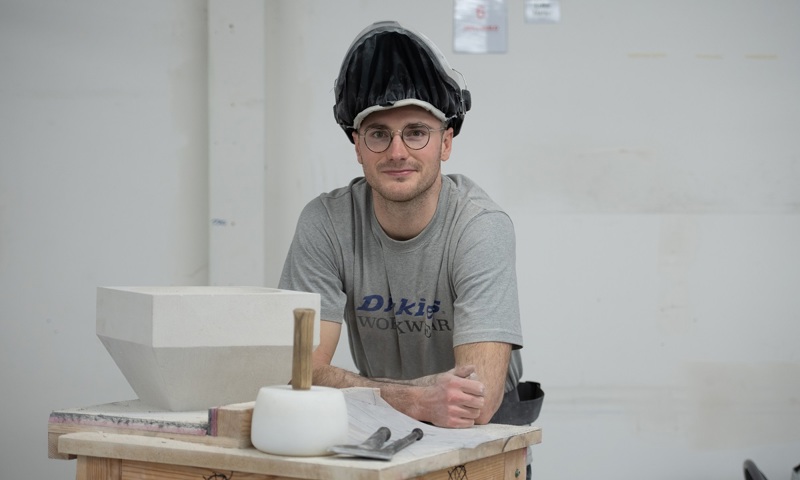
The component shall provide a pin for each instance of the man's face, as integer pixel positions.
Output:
(401, 174)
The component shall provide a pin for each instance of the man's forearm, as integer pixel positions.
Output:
(400, 394)
(491, 360)
(448, 399)
(330, 376)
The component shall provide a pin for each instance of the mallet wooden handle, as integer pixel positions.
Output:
(301, 353)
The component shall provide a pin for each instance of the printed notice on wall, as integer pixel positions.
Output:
(542, 11)
(480, 26)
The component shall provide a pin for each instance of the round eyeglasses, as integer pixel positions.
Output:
(415, 136)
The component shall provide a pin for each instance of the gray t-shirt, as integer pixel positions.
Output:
(408, 303)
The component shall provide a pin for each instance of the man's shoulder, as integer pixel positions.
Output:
(357, 187)
(469, 194)
(341, 199)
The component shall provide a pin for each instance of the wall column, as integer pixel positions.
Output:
(237, 143)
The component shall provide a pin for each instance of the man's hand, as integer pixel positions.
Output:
(452, 399)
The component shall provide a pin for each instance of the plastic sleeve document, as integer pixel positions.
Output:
(367, 412)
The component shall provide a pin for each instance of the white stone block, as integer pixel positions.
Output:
(192, 348)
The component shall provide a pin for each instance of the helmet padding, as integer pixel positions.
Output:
(389, 66)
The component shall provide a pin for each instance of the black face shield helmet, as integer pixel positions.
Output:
(389, 66)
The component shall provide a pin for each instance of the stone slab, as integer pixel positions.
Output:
(193, 348)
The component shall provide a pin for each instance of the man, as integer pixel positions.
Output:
(419, 264)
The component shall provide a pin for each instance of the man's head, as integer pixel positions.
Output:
(389, 66)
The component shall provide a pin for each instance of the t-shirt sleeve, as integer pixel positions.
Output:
(486, 307)
(314, 262)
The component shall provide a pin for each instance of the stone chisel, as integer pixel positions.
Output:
(373, 447)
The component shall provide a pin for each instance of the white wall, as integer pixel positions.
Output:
(103, 181)
(647, 151)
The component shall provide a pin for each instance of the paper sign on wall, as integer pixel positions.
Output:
(542, 11)
(480, 26)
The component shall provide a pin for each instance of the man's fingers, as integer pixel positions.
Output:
(474, 386)
(462, 417)
(464, 371)
(460, 397)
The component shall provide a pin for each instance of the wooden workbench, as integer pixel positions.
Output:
(117, 445)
